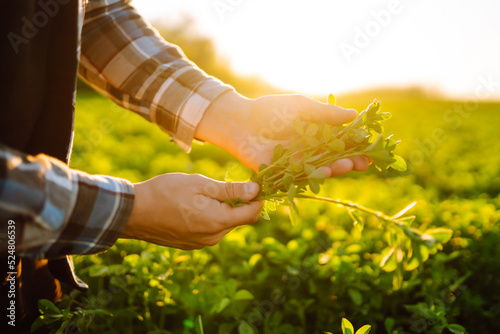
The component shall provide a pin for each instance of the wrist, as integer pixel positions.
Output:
(137, 214)
(224, 118)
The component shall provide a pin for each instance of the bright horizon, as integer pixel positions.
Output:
(325, 46)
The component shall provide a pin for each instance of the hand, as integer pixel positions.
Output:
(188, 211)
(249, 129)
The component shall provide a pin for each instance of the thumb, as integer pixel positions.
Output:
(232, 190)
(311, 110)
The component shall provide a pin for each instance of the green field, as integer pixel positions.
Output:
(273, 277)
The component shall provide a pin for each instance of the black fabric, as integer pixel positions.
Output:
(38, 67)
(38, 76)
(33, 282)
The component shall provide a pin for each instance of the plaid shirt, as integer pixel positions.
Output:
(61, 211)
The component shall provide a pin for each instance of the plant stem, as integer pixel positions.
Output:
(380, 215)
(352, 205)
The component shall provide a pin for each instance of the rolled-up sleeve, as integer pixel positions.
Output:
(59, 211)
(125, 58)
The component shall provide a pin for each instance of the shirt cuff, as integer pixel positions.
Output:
(193, 109)
(101, 207)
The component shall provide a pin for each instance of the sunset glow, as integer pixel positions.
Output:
(323, 46)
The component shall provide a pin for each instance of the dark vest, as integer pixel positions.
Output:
(38, 67)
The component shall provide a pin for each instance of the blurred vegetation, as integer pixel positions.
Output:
(276, 278)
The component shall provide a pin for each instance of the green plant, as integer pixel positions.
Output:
(60, 319)
(347, 328)
(324, 268)
(294, 170)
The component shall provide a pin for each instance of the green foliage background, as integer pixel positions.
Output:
(276, 278)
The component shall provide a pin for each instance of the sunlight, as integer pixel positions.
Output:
(323, 46)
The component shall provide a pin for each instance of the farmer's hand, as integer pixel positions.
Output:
(249, 129)
(188, 211)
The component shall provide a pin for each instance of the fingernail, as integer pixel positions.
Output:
(251, 188)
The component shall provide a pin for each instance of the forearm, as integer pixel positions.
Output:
(126, 59)
(57, 210)
(223, 119)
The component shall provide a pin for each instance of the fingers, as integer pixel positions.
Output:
(223, 191)
(242, 215)
(343, 166)
(228, 216)
(311, 110)
(361, 163)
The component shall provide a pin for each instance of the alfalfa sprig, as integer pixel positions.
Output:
(297, 168)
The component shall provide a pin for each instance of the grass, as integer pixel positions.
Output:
(276, 278)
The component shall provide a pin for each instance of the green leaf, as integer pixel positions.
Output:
(314, 186)
(278, 152)
(381, 155)
(101, 312)
(360, 120)
(337, 145)
(389, 324)
(223, 303)
(419, 254)
(356, 296)
(198, 325)
(397, 279)
(226, 328)
(312, 141)
(288, 180)
(298, 127)
(327, 132)
(309, 169)
(389, 261)
(270, 205)
(243, 295)
(357, 219)
(38, 323)
(377, 127)
(245, 328)
(254, 259)
(62, 329)
(364, 330)
(358, 135)
(264, 214)
(347, 327)
(374, 108)
(331, 99)
(312, 129)
(376, 145)
(407, 220)
(398, 164)
(82, 323)
(456, 329)
(313, 158)
(98, 270)
(47, 307)
(262, 167)
(382, 116)
(295, 166)
(317, 175)
(390, 144)
(441, 234)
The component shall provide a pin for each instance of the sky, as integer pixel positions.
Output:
(338, 46)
